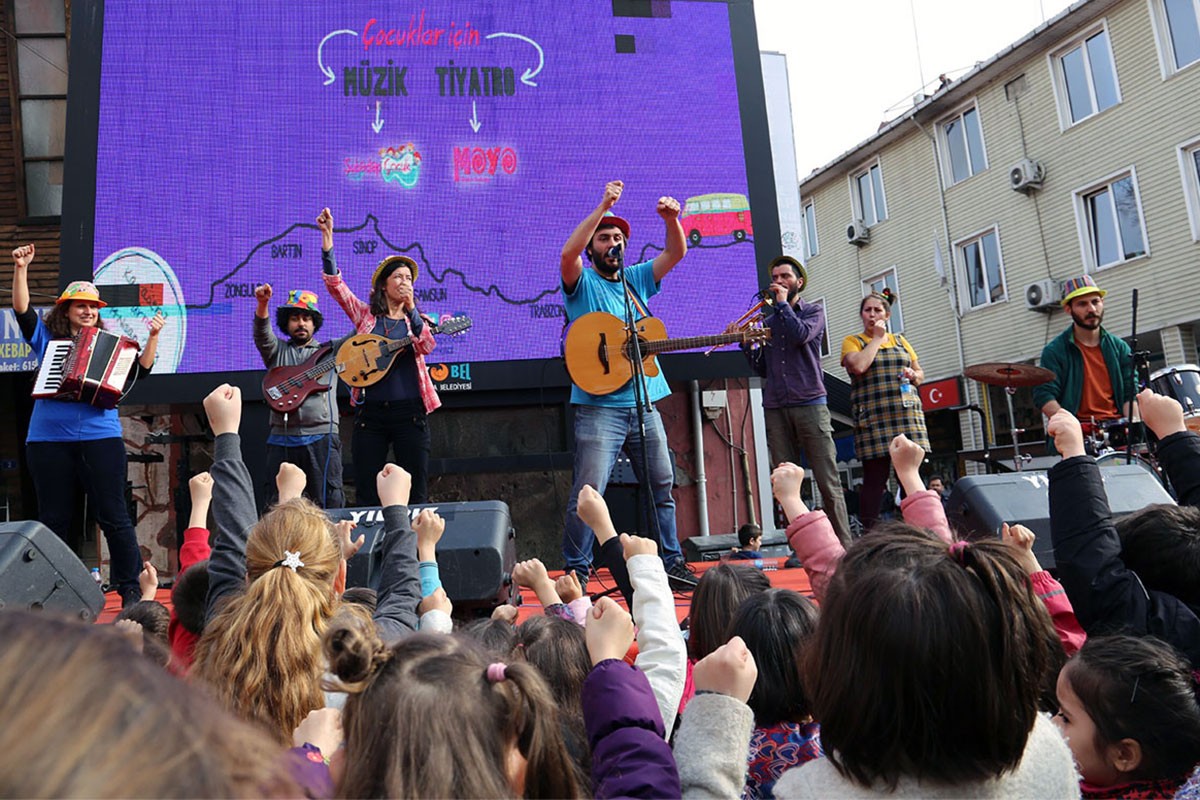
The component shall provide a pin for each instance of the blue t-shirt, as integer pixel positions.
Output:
(61, 421)
(594, 293)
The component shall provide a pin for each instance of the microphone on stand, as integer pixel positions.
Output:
(617, 251)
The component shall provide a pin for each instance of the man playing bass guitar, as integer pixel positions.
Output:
(308, 435)
(606, 425)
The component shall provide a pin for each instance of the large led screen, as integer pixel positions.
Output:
(471, 136)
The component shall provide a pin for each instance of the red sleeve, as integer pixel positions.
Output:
(1069, 631)
(195, 547)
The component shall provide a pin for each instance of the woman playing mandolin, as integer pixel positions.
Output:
(392, 412)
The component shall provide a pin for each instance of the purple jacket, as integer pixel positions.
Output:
(791, 360)
(630, 757)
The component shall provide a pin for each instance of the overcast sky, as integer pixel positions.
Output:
(855, 63)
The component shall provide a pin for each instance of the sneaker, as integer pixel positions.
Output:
(681, 574)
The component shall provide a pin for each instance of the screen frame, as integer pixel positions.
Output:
(79, 203)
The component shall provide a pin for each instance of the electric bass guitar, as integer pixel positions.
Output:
(285, 388)
(365, 359)
(599, 350)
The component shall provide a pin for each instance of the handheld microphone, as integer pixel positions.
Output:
(614, 251)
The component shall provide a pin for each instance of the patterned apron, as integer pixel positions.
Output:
(879, 414)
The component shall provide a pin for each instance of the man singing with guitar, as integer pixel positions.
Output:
(607, 424)
(307, 435)
(392, 411)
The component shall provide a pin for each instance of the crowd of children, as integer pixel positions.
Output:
(928, 665)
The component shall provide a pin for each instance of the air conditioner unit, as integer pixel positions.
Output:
(858, 233)
(1043, 295)
(1026, 175)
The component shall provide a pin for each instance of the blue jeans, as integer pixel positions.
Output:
(600, 435)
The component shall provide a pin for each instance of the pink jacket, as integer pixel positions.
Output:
(364, 322)
(818, 548)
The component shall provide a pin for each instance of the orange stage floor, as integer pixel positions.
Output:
(795, 579)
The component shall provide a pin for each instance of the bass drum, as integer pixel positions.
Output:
(1121, 459)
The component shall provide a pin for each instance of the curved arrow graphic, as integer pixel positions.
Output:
(529, 74)
(329, 77)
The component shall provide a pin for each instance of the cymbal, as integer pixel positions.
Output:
(1001, 374)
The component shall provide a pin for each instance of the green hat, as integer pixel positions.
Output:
(794, 264)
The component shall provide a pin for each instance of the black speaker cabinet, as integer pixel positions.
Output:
(979, 504)
(475, 555)
(39, 571)
(711, 548)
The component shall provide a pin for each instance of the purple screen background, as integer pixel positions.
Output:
(219, 143)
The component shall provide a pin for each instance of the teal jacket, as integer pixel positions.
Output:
(1062, 357)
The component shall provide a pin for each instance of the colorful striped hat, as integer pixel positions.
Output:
(1078, 287)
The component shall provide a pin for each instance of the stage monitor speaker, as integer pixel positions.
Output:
(711, 548)
(475, 555)
(38, 571)
(979, 504)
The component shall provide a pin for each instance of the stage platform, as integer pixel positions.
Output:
(795, 579)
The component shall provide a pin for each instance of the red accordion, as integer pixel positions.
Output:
(92, 368)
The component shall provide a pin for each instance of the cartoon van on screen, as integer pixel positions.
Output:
(720, 214)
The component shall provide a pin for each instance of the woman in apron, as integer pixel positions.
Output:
(884, 375)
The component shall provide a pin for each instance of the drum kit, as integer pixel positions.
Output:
(1113, 442)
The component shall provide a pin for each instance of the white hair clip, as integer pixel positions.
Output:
(290, 560)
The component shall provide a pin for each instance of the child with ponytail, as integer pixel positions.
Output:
(434, 716)
(275, 583)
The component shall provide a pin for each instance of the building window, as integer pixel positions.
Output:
(820, 301)
(1177, 25)
(1086, 78)
(982, 270)
(811, 246)
(869, 203)
(38, 62)
(1111, 215)
(1189, 166)
(962, 140)
(878, 284)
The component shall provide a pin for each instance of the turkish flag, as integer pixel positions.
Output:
(945, 393)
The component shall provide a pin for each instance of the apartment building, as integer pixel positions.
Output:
(1074, 150)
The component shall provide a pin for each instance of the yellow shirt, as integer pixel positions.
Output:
(854, 344)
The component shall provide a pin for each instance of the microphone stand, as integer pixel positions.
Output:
(1140, 363)
(633, 351)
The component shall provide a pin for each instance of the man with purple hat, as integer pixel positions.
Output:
(606, 425)
(1093, 370)
(307, 437)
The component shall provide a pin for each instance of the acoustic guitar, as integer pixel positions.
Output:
(599, 353)
(365, 359)
(285, 388)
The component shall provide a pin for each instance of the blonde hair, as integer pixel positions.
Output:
(86, 716)
(424, 719)
(261, 655)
